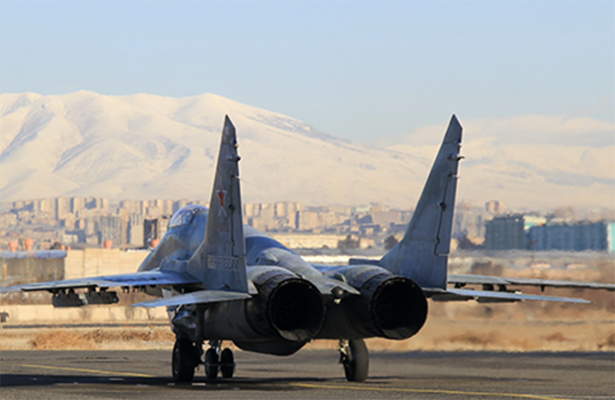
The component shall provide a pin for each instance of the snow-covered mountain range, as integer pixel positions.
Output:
(147, 146)
(530, 161)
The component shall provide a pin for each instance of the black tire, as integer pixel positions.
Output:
(184, 355)
(212, 364)
(357, 365)
(227, 363)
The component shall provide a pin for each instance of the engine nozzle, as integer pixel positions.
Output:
(398, 308)
(286, 305)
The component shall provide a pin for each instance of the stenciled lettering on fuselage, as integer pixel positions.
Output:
(222, 263)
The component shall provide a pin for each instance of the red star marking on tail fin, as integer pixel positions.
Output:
(221, 197)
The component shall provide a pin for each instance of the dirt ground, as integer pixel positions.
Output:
(450, 327)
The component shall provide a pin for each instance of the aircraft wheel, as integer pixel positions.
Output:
(227, 363)
(183, 360)
(356, 364)
(212, 364)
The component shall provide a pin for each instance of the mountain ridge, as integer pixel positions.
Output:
(531, 161)
(147, 146)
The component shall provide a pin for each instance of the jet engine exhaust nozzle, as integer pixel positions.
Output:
(296, 310)
(398, 308)
(390, 306)
(286, 306)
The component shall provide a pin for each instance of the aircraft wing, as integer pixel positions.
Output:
(492, 296)
(148, 278)
(200, 297)
(462, 280)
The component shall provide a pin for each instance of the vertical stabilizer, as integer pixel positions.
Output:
(220, 261)
(423, 252)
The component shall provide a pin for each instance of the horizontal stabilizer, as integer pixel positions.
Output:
(497, 280)
(494, 296)
(149, 278)
(200, 297)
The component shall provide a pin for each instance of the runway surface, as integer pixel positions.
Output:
(311, 375)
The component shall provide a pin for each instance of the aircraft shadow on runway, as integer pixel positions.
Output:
(265, 384)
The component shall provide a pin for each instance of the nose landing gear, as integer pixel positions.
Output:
(216, 360)
(355, 359)
(212, 363)
(187, 356)
(227, 363)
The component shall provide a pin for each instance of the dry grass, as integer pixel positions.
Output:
(472, 332)
(87, 338)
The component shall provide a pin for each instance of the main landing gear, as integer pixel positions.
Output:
(355, 358)
(187, 357)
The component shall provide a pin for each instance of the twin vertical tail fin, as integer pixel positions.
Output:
(220, 261)
(422, 254)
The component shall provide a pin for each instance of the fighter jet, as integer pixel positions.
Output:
(222, 281)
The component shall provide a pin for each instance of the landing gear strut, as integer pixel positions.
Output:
(216, 360)
(355, 358)
(185, 359)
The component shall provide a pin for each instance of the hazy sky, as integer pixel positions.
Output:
(358, 70)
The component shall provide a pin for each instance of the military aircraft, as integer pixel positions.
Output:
(222, 281)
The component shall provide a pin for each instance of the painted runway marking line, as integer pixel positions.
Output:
(315, 386)
(431, 391)
(93, 371)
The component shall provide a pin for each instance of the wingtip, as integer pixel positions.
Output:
(9, 289)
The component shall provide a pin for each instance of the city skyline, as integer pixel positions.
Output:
(96, 222)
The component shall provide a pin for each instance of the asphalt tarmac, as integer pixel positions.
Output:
(311, 374)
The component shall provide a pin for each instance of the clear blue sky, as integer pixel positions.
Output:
(357, 70)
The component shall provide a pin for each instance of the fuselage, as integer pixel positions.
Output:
(187, 230)
(348, 302)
